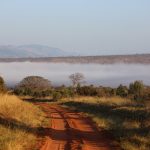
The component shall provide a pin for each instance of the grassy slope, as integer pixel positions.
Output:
(19, 122)
(128, 121)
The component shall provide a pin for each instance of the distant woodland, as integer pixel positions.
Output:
(127, 59)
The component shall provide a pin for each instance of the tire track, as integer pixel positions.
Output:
(71, 131)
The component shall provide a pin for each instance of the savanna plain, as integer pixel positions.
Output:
(36, 115)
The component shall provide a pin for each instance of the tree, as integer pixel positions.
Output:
(33, 86)
(2, 85)
(76, 79)
(136, 89)
(122, 91)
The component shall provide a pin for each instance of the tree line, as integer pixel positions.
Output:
(37, 86)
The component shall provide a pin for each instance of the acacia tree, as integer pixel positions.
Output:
(76, 79)
(34, 86)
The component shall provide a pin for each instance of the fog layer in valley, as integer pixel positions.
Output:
(106, 75)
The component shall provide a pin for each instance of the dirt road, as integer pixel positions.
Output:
(69, 130)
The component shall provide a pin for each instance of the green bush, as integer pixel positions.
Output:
(56, 95)
(87, 91)
(122, 91)
(95, 91)
(2, 85)
(64, 91)
(136, 89)
(106, 92)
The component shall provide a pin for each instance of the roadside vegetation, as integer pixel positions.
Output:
(127, 120)
(19, 122)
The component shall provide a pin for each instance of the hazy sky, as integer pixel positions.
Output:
(87, 26)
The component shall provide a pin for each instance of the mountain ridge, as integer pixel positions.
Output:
(32, 50)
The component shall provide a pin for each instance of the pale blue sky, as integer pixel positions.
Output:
(84, 26)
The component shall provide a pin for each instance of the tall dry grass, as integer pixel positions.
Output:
(19, 122)
(127, 120)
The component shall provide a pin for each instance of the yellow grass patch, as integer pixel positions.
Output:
(19, 121)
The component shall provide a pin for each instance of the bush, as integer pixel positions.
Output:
(87, 91)
(2, 85)
(122, 91)
(56, 95)
(95, 91)
(106, 92)
(64, 92)
(146, 95)
(137, 90)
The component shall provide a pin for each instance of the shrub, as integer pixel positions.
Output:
(87, 90)
(2, 85)
(106, 92)
(56, 95)
(136, 89)
(122, 91)
(146, 95)
(62, 92)
(95, 91)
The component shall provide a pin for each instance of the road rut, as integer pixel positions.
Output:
(70, 130)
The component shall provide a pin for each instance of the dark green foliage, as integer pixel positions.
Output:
(87, 90)
(2, 85)
(62, 92)
(39, 87)
(146, 95)
(95, 91)
(122, 91)
(106, 92)
(56, 95)
(34, 86)
(137, 90)
(67, 92)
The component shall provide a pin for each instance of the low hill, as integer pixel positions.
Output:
(26, 51)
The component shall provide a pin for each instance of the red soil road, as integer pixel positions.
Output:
(72, 131)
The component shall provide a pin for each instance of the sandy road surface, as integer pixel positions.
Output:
(72, 131)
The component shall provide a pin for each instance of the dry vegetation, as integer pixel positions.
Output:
(127, 120)
(19, 122)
